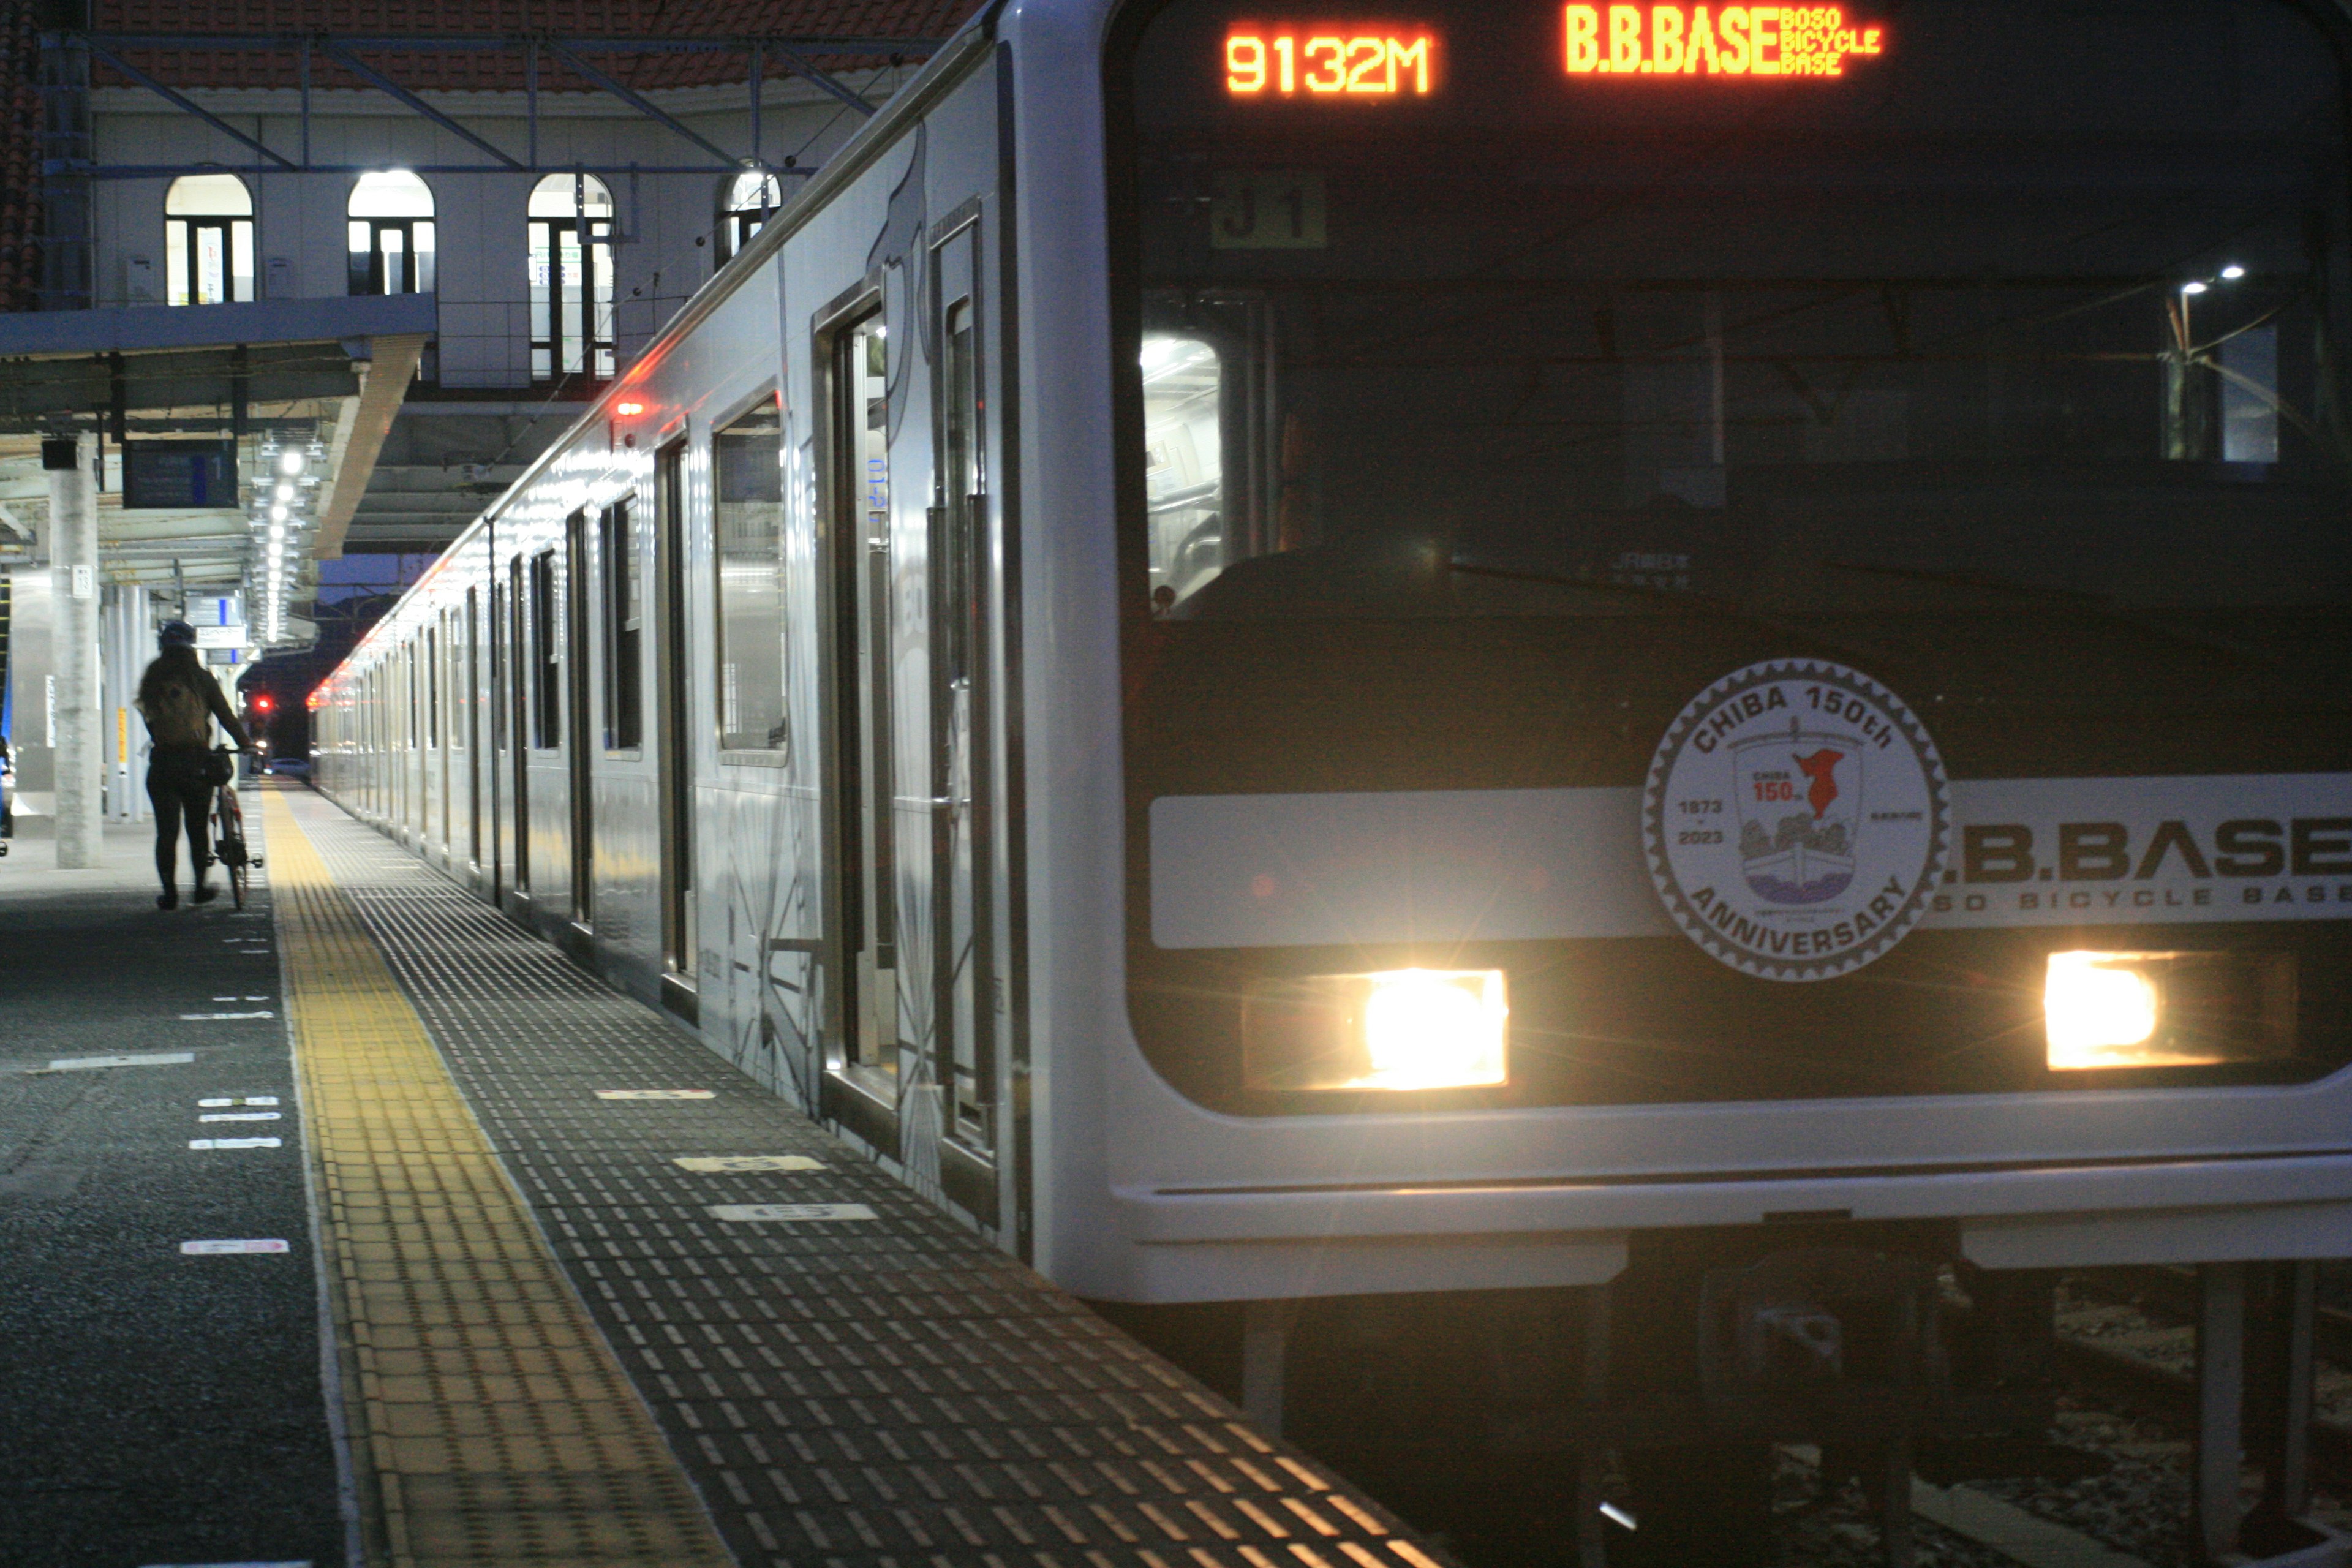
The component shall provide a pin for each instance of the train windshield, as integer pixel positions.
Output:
(1455, 309)
(1496, 377)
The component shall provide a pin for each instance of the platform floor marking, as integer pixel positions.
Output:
(153, 1060)
(491, 1416)
(755, 1214)
(728, 1164)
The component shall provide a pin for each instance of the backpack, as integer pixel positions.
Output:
(179, 716)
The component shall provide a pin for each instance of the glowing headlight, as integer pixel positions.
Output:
(1398, 1030)
(2167, 1009)
(2093, 1005)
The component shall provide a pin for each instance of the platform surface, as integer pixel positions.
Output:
(844, 1376)
(156, 1407)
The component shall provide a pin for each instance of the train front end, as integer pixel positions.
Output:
(1733, 640)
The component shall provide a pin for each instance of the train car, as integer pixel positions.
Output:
(1438, 664)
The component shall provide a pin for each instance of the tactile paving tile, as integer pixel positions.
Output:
(493, 1422)
(883, 1393)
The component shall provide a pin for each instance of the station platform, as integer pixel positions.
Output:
(584, 1293)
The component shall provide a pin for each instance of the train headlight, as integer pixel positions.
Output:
(1396, 1029)
(2107, 1010)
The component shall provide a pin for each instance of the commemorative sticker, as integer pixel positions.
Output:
(1796, 820)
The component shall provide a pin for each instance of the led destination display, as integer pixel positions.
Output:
(1345, 59)
(1329, 60)
(1703, 41)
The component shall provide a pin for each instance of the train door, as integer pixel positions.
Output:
(962, 700)
(578, 599)
(678, 733)
(470, 691)
(862, 558)
(439, 732)
(497, 762)
(520, 713)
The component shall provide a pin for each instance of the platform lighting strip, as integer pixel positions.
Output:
(285, 494)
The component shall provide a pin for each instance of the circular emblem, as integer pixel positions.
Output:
(1796, 819)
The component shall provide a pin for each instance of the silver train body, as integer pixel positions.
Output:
(907, 891)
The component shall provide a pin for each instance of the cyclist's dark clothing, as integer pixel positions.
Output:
(181, 700)
(176, 788)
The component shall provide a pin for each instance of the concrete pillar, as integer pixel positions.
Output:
(73, 559)
(127, 644)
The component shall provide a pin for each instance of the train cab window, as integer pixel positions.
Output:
(1184, 467)
(748, 457)
(624, 620)
(546, 655)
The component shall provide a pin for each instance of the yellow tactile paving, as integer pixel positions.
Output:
(490, 1423)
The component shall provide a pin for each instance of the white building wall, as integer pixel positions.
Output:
(667, 244)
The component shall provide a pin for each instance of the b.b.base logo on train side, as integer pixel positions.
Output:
(1796, 819)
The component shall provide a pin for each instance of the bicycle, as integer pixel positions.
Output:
(228, 832)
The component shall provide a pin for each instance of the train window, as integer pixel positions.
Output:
(1183, 464)
(432, 687)
(546, 653)
(624, 619)
(748, 457)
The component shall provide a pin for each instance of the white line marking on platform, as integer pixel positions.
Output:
(716, 1163)
(153, 1059)
(217, 1249)
(242, 1116)
(750, 1212)
(218, 1102)
(654, 1094)
(235, 1143)
(210, 1017)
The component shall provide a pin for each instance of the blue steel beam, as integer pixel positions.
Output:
(639, 103)
(188, 106)
(376, 79)
(819, 44)
(824, 80)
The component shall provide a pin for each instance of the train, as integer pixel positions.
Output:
(1613, 710)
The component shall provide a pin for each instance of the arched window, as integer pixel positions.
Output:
(391, 234)
(208, 240)
(745, 204)
(571, 304)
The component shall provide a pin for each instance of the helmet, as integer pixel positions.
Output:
(176, 634)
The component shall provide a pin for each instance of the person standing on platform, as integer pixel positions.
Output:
(179, 699)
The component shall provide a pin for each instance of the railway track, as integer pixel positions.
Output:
(2127, 1332)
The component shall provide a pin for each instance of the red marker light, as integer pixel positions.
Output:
(626, 410)
(261, 703)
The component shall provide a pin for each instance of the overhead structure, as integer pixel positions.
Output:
(531, 63)
(233, 443)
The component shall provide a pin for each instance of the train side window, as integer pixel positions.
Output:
(432, 687)
(748, 457)
(624, 619)
(546, 655)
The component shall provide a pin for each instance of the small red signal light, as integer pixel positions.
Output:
(628, 410)
(262, 704)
